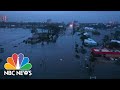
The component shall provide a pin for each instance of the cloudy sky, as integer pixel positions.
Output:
(66, 16)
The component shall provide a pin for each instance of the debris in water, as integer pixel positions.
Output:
(19, 43)
(15, 46)
(76, 45)
(77, 56)
(87, 66)
(40, 64)
(61, 59)
(42, 43)
(92, 77)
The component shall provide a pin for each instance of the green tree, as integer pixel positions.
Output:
(83, 37)
(105, 39)
(95, 32)
(92, 58)
(83, 50)
(117, 35)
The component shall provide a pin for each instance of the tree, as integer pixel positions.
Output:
(117, 35)
(114, 45)
(95, 33)
(92, 58)
(83, 50)
(83, 37)
(105, 39)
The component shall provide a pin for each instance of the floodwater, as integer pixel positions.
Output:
(53, 60)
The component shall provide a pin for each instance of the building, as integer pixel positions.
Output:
(117, 41)
(76, 24)
(86, 34)
(90, 42)
(89, 28)
(3, 18)
(105, 52)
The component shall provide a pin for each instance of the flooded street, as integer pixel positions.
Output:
(53, 60)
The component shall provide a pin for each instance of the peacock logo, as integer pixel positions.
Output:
(18, 62)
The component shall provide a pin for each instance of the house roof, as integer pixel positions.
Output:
(89, 40)
(105, 51)
(115, 41)
(86, 33)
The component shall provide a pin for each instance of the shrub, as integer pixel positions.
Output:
(95, 33)
(83, 51)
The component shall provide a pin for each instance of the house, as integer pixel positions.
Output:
(86, 34)
(90, 42)
(89, 28)
(105, 52)
(117, 41)
(114, 44)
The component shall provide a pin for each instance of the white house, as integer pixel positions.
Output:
(86, 34)
(89, 28)
(90, 41)
(115, 41)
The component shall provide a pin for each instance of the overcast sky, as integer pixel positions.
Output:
(66, 16)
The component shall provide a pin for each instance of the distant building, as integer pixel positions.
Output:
(61, 26)
(49, 20)
(108, 25)
(3, 18)
(76, 24)
(89, 28)
(113, 22)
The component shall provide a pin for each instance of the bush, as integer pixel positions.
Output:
(114, 45)
(92, 59)
(117, 35)
(83, 37)
(95, 33)
(83, 51)
(105, 39)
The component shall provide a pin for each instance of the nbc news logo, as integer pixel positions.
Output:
(18, 65)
